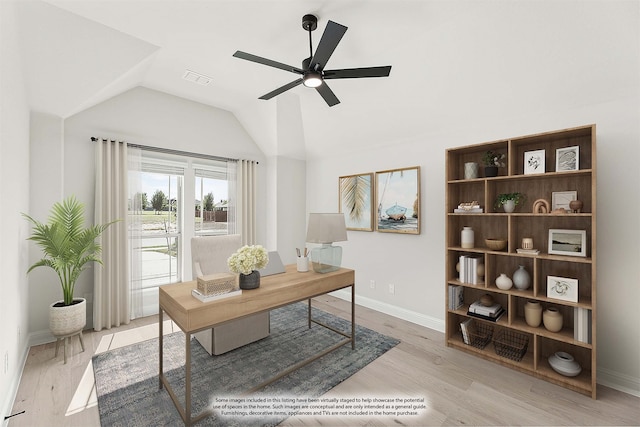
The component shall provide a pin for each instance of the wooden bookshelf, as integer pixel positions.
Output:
(523, 222)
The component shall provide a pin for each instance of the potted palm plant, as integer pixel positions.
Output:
(68, 248)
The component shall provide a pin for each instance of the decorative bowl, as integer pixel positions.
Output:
(564, 364)
(496, 244)
(486, 300)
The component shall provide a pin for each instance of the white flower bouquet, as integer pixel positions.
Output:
(248, 258)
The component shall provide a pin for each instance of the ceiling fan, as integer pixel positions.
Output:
(313, 73)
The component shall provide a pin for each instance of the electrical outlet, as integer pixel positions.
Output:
(372, 284)
(392, 288)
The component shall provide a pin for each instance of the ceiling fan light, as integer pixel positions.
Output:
(312, 79)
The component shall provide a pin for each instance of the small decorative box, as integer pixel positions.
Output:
(216, 284)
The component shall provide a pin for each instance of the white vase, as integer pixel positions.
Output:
(521, 278)
(470, 170)
(467, 238)
(509, 206)
(503, 282)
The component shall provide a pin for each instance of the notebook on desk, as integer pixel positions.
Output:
(275, 265)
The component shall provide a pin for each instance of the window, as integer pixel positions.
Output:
(211, 199)
(174, 197)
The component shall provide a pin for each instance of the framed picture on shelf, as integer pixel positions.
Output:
(534, 162)
(561, 199)
(398, 201)
(356, 201)
(568, 242)
(568, 159)
(562, 288)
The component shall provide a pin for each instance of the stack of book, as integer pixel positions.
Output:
(582, 324)
(468, 329)
(469, 269)
(481, 311)
(527, 251)
(456, 297)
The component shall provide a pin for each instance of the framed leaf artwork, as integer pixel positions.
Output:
(356, 201)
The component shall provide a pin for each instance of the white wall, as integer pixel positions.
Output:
(14, 194)
(609, 97)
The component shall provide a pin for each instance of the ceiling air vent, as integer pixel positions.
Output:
(198, 78)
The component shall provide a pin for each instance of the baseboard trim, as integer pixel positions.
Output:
(618, 381)
(10, 399)
(392, 310)
(606, 377)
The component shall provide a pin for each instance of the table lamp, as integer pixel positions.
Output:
(326, 228)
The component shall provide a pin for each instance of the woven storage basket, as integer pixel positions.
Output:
(511, 344)
(216, 284)
(480, 335)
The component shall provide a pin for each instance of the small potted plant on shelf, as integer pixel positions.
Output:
(492, 161)
(509, 201)
(68, 248)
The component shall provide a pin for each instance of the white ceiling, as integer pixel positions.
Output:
(452, 60)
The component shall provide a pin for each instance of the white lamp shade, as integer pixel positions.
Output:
(326, 228)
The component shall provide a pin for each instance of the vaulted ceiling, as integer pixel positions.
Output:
(453, 61)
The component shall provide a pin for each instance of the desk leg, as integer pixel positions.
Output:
(353, 316)
(309, 313)
(187, 367)
(160, 336)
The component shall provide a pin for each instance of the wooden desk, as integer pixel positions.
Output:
(278, 290)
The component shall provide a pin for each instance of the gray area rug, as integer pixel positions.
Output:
(127, 378)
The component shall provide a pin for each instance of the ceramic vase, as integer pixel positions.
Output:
(552, 319)
(521, 278)
(467, 238)
(509, 206)
(533, 313)
(503, 282)
(250, 281)
(470, 170)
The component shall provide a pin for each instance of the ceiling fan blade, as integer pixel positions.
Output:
(268, 62)
(330, 38)
(281, 89)
(354, 73)
(330, 98)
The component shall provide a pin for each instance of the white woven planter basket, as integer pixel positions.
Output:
(69, 319)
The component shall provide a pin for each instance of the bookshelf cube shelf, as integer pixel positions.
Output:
(578, 334)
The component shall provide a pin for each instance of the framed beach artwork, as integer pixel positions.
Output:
(356, 201)
(562, 288)
(568, 242)
(534, 162)
(398, 201)
(568, 159)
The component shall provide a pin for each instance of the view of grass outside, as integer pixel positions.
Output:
(157, 218)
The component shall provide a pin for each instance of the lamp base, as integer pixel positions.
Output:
(326, 258)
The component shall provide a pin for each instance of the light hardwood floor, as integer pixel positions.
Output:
(458, 389)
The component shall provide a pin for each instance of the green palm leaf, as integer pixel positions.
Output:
(67, 246)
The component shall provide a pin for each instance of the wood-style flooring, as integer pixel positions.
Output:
(458, 389)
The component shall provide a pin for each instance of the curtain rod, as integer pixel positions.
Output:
(170, 151)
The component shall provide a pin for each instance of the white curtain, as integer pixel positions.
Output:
(134, 225)
(111, 296)
(243, 212)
